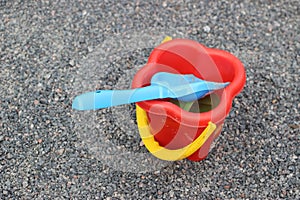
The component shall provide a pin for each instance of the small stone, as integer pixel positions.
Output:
(294, 126)
(36, 102)
(206, 29)
(284, 193)
(227, 187)
(157, 172)
(47, 76)
(60, 151)
(58, 90)
(142, 144)
(72, 62)
(171, 193)
(43, 101)
(9, 156)
(69, 183)
(25, 184)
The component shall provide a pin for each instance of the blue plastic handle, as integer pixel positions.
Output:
(107, 98)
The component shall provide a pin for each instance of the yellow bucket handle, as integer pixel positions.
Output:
(162, 152)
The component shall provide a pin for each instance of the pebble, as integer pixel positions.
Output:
(206, 29)
(60, 151)
(72, 62)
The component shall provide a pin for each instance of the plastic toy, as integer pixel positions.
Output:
(168, 131)
(163, 85)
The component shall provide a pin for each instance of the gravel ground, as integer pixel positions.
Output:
(52, 50)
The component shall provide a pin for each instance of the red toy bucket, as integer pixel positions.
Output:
(172, 127)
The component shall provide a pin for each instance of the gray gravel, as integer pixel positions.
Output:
(45, 45)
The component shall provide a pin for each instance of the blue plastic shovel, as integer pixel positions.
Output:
(163, 85)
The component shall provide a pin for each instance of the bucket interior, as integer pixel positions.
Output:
(204, 104)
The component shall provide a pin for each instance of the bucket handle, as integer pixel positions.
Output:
(162, 152)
